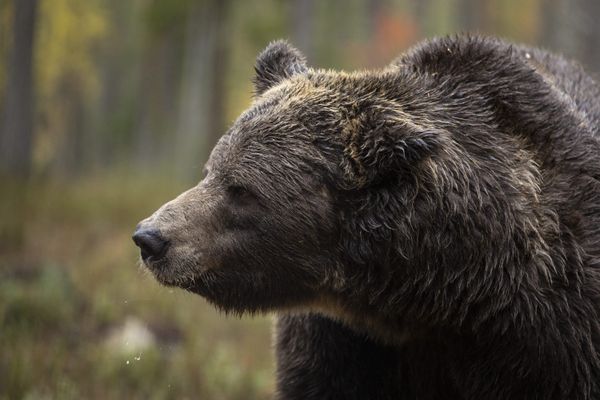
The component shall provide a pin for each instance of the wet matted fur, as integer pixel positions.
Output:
(425, 231)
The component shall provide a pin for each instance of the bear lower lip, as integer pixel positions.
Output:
(151, 263)
(162, 273)
(145, 256)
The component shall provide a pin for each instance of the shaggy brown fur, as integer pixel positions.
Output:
(427, 231)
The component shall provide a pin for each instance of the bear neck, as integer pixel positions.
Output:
(484, 257)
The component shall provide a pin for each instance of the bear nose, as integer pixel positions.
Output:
(151, 243)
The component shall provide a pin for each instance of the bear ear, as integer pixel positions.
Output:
(278, 61)
(385, 143)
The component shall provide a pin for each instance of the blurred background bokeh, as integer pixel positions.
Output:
(108, 108)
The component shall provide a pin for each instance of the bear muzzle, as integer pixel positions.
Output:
(152, 245)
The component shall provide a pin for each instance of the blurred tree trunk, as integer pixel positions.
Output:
(113, 113)
(472, 15)
(303, 16)
(421, 11)
(374, 10)
(549, 35)
(590, 34)
(73, 151)
(159, 87)
(194, 96)
(558, 20)
(219, 62)
(17, 127)
(202, 102)
(108, 110)
(571, 27)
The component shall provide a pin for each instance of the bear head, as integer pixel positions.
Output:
(302, 197)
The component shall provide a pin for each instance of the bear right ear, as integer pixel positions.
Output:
(277, 62)
(381, 142)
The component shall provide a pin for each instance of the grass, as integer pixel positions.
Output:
(69, 283)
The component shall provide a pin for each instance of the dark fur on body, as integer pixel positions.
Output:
(430, 228)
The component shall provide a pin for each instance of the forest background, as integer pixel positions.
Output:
(108, 108)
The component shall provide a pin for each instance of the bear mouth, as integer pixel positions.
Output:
(150, 262)
(168, 275)
(159, 269)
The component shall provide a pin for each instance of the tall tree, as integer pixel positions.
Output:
(219, 61)
(570, 27)
(17, 127)
(159, 81)
(472, 15)
(303, 16)
(552, 24)
(203, 98)
(590, 35)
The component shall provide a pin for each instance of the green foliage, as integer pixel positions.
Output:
(109, 75)
(68, 32)
(164, 16)
(109, 81)
(73, 282)
(5, 37)
(47, 303)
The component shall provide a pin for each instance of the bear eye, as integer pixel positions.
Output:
(241, 194)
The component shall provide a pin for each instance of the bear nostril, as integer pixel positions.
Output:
(151, 243)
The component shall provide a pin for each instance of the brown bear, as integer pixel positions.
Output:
(430, 230)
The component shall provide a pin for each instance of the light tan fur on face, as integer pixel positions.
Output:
(184, 221)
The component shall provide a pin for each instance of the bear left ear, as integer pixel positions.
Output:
(277, 62)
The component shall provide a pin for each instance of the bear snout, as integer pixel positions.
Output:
(151, 243)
